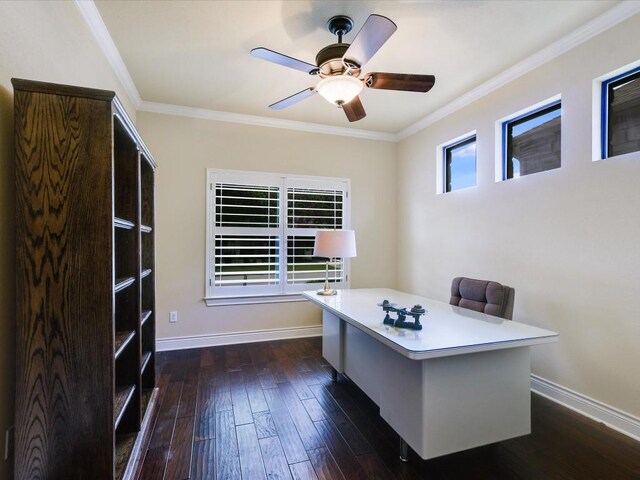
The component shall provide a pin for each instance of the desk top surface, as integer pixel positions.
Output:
(446, 329)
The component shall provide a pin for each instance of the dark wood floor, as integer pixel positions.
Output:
(269, 410)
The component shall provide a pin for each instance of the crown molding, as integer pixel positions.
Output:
(94, 20)
(617, 14)
(607, 20)
(255, 120)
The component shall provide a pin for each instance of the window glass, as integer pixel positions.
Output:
(313, 208)
(246, 205)
(460, 164)
(622, 115)
(243, 260)
(532, 142)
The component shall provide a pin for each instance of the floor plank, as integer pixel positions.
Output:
(249, 451)
(306, 429)
(324, 465)
(179, 461)
(227, 457)
(291, 443)
(374, 468)
(188, 399)
(275, 462)
(239, 399)
(303, 471)
(314, 409)
(203, 460)
(223, 401)
(205, 413)
(166, 420)
(264, 425)
(155, 463)
(340, 450)
(254, 389)
(348, 430)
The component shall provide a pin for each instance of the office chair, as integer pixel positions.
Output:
(484, 296)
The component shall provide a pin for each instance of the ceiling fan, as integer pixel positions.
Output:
(339, 65)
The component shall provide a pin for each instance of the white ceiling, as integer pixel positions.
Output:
(196, 53)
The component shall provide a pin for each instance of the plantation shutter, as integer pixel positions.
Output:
(312, 206)
(247, 238)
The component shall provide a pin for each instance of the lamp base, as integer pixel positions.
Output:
(327, 293)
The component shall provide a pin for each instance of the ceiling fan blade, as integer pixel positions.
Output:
(354, 110)
(373, 34)
(284, 60)
(400, 81)
(295, 98)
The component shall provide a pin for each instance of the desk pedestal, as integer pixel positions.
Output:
(439, 405)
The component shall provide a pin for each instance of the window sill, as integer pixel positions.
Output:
(223, 301)
(621, 157)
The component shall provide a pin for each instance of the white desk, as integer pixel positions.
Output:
(460, 382)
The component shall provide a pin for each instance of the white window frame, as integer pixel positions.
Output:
(501, 140)
(599, 106)
(282, 292)
(441, 159)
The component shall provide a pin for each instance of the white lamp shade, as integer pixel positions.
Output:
(339, 89)
(335, 244)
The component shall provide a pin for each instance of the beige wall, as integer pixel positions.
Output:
(46, 41)
(184, 148)
(566, 239)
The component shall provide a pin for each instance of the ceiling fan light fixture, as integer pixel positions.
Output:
(339, 89)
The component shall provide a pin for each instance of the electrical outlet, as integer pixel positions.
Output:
(173, 317)
(8, 443)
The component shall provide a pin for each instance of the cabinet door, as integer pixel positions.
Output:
(333, 340)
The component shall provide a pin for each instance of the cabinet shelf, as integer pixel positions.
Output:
(122, 340)
(122, 223)
(145, 229)
(124, 447)
(145, 273)
(145, 316)
(147, 396)
(128, 443)
(122, 283)
(146, 356)
(123, 396)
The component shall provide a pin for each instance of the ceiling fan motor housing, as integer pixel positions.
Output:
(329, 61)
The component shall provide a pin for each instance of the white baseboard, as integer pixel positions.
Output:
(199, 341)
(598, 411)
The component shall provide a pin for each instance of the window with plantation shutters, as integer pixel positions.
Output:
(261, 230)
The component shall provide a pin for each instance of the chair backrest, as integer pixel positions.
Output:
(484, 296)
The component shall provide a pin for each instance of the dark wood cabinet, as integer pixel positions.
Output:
(85, 285)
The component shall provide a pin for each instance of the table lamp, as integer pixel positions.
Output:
(333, 244)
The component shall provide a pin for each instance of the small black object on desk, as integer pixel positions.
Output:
(401, 322)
